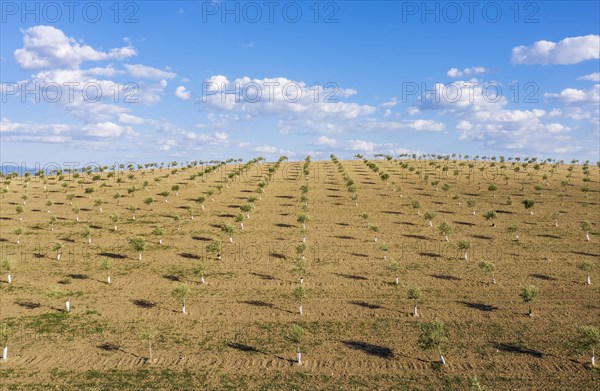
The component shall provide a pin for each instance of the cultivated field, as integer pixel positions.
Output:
(366, 222)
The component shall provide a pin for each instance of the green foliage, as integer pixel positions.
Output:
(445, 228)
(214, 246)
(414, 294)
(106, 264)
(585, 340)
(299, 292)
(586, 226)
(56, 293)
(433, 335)
(487, 266)
(295, 333)
(228, 229)
(7, 263)
(180, 292)
(463, 245)
(528, 203)
(5, 333)
(303, 218)
(138, 243)
(489, 215)
(587, 266)
(528, 294)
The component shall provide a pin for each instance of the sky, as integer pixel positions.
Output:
(158, 81)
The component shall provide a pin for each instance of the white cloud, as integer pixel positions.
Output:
(591, 77)
(295, 104)
(568, 51)
(107, 129)
(265, 149)
(362, 145)
(572, 96)
(464, 125)
(49, 47)
(166, 145)
(182, 94)
(329, 142)
(146, 72)
(247, 45)
(130, 119)
(455, 73)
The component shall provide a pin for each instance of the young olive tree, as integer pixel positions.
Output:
(295, 335)
(588, 267)
(586, 226)
(138, 243)
(105, 266)
(464, 246)
(299, 294)
(433, 336)
(586, 340)
(488, 267)
(5, 334)
(180, 292)
(8, 264)
(429, 216)
(414, 294)
(445, 229)
(528, 295)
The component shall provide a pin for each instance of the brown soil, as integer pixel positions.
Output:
(359, 332)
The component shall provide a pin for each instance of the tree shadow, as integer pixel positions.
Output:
(172, 277)
(482, 237)
(515, 348)
(202, 238)
(373, 350)
(277, 255)
(282, 225)
(113, 347)
(464, 223)
(78, 276)
(28, 304)
(549, 236)
(479, 306)
(190, 256)
(445, 277)
(263, 276)
(421, 237)
(430, 255)
(543, 277)
(351, 276)
(112, 255)
(360, 255)
(365, 304)
(142, 303)
(345, 237)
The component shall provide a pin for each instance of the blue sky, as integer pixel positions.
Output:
(181, 56)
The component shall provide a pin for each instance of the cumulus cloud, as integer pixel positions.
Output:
(567, 51)
(145, 72)
(574, 96)
(326, 141)
(455, 73)
(49, 47)
(182, 94)
(293, 102)
(362, 145)
(591, 77)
